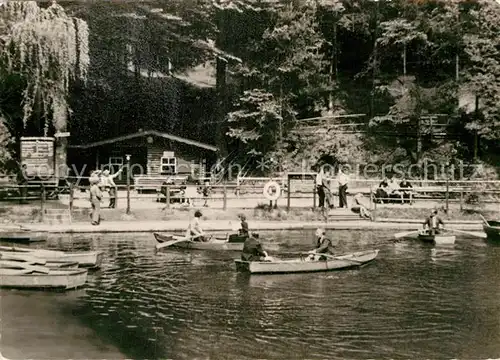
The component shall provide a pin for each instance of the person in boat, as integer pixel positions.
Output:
(243, 231)
(195, 230)
(323, 246)
(433, 222)
(95, 199)
(253, 251)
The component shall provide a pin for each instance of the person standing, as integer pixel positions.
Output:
(343, 181)
(320, 187)
(95, 200)
(110, 186)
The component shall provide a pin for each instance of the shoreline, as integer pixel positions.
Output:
(230, 226)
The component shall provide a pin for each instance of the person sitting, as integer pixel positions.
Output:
(253, 251)
(195, 230)
(381, 193)
(432, 223)
(243, 231)
(360, 208)
(393, 190)
(323, 246)
(405, 184)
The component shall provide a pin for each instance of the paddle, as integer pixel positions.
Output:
(484, 220)
(476, 234)
(404, 234)
(170, 243)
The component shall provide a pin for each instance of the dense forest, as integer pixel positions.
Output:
(351, 81)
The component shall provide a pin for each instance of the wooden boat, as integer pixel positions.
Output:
(91, 259)
(52, 279)
(438, 239)
(212, 244)
(22, 236)
(304, 265)
(30, 260)
(492, 230)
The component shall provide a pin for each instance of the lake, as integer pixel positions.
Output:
(414, 301)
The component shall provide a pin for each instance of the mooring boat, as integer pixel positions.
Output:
(492, 230)
(26, 259)
(90, 259)
(438, 239)
(170, 240)
(22, 236)
(29, 278)
(302, 264)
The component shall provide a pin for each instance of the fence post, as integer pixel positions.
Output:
(461, 200)
(447, 192)
(288, 193)
(224, 199)
(314, 196)
(42, 202)
(167, 196)
(71, 197)
(371, 197)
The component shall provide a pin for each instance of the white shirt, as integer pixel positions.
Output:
(319, 179)
(434, 222)
(343, 179)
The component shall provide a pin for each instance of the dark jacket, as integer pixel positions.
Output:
(428, 221)
(252, 250)
(405, 184)
(244, 228)
(324, 246)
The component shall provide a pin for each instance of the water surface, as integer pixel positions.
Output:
(414, 301)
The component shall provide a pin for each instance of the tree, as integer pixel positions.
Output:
(47, 49)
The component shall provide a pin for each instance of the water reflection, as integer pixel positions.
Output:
(414, 301)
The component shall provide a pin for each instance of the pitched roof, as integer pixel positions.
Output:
(145, 133)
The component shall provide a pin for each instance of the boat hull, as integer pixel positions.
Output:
(22, 237)
(89, 259)
(302, 265)
(437, 239)
(213, 244)
(31, 260)
(492, 230)
(55, 279)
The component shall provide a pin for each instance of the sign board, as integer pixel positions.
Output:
(61, 134)
(302, 182)
(37, 156)
(168, 154)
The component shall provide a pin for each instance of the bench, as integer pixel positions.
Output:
(154, 183)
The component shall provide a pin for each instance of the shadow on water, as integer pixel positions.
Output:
(414, 301)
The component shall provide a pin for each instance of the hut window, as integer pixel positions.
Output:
(168, 165)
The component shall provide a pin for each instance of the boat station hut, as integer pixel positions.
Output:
(155, 157)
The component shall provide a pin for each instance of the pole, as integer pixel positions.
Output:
(447, 188)
(128, 183)
(42, 202)
(224, 199)
(288, 193)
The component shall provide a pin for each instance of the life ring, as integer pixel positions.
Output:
(268, 186)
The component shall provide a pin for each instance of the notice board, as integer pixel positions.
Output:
(37, 156)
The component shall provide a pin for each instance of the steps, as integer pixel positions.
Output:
(343, 215)
(57, 216)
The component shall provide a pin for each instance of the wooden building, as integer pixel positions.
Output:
(154, 157)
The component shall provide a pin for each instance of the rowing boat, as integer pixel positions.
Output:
(31, 279)
(302, 264)
(27, 259)
(22, 236)
(492, 230)
(90, 259)
(212, 244)
(438, 239)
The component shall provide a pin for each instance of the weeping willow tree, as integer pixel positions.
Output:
(47, 50)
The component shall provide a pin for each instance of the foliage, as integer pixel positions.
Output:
(48, 49)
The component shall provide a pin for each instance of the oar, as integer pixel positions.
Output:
(336, 257)
(170, 243)
(484, 220)
(476, 234)
(404, 234)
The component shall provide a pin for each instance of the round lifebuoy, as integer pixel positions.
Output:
(272, 185)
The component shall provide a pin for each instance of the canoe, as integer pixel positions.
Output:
(492, 230)
(90, 259)
(213, 244)
(232, 238)
(299, 265)
(31, 260)
(440, 239)
(54, 279)
(23, 236)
